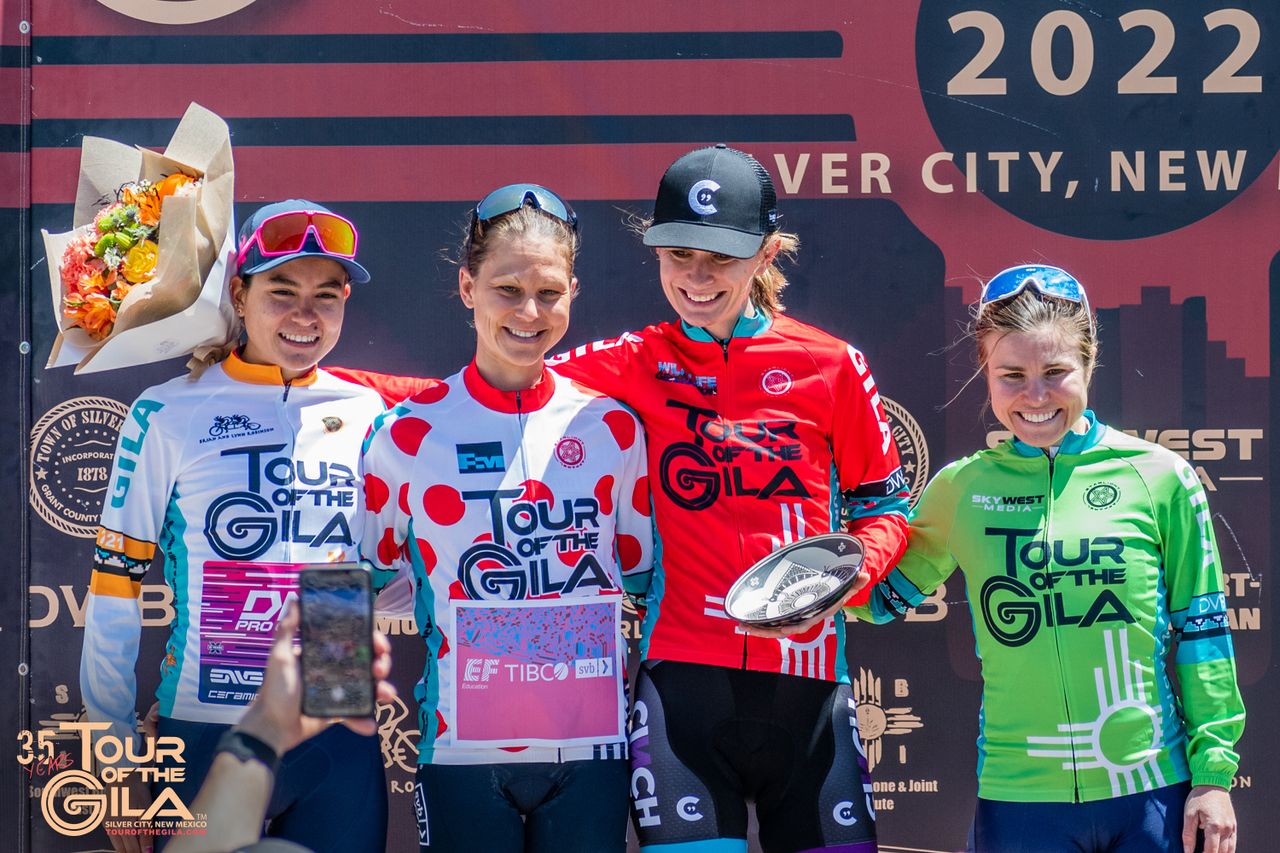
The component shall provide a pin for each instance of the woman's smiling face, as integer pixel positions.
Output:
(1038, 385)
(519, 297)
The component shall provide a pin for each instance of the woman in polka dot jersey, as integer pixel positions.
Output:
(516, 503)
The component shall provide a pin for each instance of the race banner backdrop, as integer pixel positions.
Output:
(918, 147)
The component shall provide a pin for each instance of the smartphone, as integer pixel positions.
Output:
(337, 641)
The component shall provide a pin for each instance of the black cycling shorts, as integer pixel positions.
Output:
(573, 807)
(330, 793)
(705, 739)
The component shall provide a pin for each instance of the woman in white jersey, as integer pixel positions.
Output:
(517, 501)
(239, 477)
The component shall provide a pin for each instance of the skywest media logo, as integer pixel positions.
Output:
(76, 802)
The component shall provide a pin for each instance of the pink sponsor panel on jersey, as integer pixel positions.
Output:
(240, 604)
(537, 674)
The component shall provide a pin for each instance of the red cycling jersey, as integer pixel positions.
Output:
(754, 442)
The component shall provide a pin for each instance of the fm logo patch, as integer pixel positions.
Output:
(480, 458)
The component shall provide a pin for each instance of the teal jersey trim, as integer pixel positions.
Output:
(1072, 442)
(427, 690)
(1204, 626)
(710, 845)
(176, 571)
(752, 323)
(653, 599)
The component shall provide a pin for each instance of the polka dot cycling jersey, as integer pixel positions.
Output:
(520, 517)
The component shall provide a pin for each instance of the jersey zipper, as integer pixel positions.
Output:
(524, 463)
(1057, 639)
(524, 468)
(732, 500)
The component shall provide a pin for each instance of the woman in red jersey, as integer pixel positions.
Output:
(762, 430)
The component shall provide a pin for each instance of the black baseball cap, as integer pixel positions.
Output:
(716, 199)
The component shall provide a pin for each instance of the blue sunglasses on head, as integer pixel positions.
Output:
(515, 196)
(1046, 280)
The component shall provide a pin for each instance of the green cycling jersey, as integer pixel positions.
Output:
(1084, 570)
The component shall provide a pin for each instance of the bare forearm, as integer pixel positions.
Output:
(234, 800)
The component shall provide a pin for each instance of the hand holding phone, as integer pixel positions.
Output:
(337, 641)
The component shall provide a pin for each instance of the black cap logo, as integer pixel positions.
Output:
(702, 197)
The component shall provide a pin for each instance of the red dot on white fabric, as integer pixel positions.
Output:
(431, 394)
(387, 548)
(640, 497)
(623, 427)
(427, 553)
(604, 494)
(629, 551)
(407, 434)
(403, 498)
(443, 504)
(376, 493)
(536, 490)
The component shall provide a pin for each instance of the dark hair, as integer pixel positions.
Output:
(528, 221)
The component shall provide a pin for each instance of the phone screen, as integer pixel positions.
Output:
(337, 641)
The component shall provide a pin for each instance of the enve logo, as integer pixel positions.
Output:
(176, 11)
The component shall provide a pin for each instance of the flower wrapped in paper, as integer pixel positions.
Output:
(143, 275)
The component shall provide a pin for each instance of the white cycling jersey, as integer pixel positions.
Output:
(239, 479)
(520, 516)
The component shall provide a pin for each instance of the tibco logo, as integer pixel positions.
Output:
(482, 670)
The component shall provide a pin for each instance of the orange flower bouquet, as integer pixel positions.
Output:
(100, 266)
(143, 275)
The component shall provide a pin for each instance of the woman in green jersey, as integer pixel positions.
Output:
(1089, 560)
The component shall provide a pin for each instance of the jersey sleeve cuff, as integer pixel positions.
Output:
(1217, 780)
